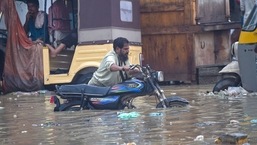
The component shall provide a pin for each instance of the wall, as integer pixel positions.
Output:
(180, 35)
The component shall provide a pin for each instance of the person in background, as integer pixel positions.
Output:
(246, 7)
(68, 41)
(36, 23)
(59, 24)
(115, 66)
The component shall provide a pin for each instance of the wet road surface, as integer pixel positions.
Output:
(29, 119)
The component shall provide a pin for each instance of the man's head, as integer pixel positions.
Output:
(121, 47)
(33, 6)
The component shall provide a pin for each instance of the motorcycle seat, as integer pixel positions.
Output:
(79, 89)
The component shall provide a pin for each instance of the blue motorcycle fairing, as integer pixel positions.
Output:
(129, 86)
(105, 100)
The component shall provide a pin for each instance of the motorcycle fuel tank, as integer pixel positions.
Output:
(109, 102)
(130, 86)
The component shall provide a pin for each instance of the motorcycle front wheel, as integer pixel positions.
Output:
(174, 101)
(225, 83)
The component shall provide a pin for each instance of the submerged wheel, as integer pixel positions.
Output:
(227, 82)
(72, 108)
(174, 102)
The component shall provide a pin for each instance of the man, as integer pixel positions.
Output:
(115, 66)
(36, 22)
(68, 41)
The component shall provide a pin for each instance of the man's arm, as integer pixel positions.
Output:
(45, 35)
(127, 69)
(115, 67)
(26, 24)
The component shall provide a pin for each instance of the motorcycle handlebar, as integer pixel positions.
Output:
(132, 67)
(139, 66)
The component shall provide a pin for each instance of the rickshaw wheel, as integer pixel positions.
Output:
(82, 78)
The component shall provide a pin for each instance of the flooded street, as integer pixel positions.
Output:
(29, 119)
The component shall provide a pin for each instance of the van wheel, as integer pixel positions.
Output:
(82, 78)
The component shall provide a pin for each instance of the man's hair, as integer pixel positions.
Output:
(35, 2)
(119, 42)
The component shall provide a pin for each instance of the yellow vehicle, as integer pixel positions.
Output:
(242, 70)
(247, 52)
(78, 65)
(98, 23)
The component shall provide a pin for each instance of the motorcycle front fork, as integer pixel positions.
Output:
(162, 97)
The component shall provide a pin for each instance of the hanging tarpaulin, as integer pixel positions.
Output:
(23, 68)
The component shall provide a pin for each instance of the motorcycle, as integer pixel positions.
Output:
(230, 73)
(116, 97)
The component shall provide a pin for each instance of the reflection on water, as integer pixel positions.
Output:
(29, 119)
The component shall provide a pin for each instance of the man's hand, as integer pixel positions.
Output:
(26, 24)
(39, 41)
(125, 68)
(133, 71)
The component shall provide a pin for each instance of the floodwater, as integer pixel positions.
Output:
(29, 119)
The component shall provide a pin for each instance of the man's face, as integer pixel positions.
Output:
(32, 8)
(123, 53)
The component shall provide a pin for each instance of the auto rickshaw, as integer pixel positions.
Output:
(98, 23)
(242, 71)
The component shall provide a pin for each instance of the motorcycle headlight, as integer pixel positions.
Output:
(159, 76)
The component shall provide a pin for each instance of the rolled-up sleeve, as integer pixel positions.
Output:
(109, 62)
